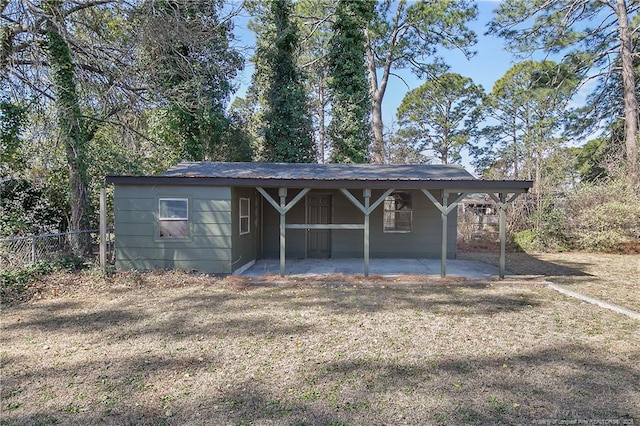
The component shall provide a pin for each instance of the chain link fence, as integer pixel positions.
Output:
(18, 252)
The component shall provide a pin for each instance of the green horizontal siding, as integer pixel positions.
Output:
(171, 191)
(146, 215)
(134, 204)
(208, 267)
(139, 246)
(181, 253)
(197, 242)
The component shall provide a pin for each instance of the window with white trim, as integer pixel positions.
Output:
(173, 217)
(397, 212)
(245, 216)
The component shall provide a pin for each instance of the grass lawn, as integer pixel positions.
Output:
(171, 348)
(614, 278)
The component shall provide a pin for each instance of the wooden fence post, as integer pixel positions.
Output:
(103, 229)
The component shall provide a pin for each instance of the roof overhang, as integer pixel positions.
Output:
(450, 185)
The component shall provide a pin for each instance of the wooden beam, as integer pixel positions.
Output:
(283, 208)
(362, 208)
(271, 201)
(297, 198)
(443, 248)
(366, 209)
(445, 208)
(503, 237)
(325, 226)
(282, 192)
(366, 193)
(354, 200)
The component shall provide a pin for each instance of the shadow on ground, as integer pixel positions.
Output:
(522, 263)
(311, 355)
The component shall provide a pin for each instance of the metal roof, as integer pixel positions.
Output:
(304, 171)
(320, 176)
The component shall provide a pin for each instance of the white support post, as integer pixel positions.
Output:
(282, 209)
(366, 209)
(503, 236)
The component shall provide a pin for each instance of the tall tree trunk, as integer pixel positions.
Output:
(322, 140)
(630, 95)
(377, 94)
(514, 139)
(72, 130)
(377, 148)
(378, 89)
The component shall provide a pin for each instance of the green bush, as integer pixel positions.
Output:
(18, 279)
(526, 240)
(544, 225)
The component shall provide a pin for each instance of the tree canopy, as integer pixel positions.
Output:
(596, 39)
(439, 116)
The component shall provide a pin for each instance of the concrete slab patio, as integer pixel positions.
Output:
(469, 269)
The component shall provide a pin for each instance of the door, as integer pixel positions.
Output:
(319, 211)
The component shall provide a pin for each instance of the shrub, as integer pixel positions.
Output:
(543, 224)
(15, 282)
(602, 216)
(526, 240)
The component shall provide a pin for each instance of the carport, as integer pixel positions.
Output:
(450, 191)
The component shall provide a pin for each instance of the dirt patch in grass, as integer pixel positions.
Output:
(614, 278)
(172, 348)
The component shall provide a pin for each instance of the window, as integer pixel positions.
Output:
(245, 216)
(173, 217)
(397, 212)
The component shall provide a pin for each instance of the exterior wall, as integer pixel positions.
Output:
(244, 247)
(424, 240)
(139, 246)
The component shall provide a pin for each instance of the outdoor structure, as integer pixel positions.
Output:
(221, 217)
(478, 216)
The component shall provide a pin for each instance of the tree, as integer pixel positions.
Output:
(315, 25)
(113, 89)
(350, 128)
(52, 53)
(70, 121)
(591, 158)
(439, 115)
(602, 50)
(528, 106)
(408, 36)
(12, 120)
(26, 208)
(186, 49)
(287, 126)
